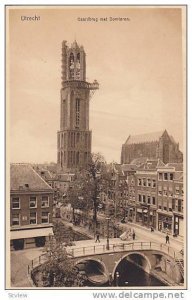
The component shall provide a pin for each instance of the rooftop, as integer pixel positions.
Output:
(177, 166)
(24, 177)
(144, 138)
(151, 164)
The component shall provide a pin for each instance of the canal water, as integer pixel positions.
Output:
(131, 275)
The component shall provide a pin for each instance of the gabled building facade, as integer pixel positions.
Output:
(170, 199)
(31, 208)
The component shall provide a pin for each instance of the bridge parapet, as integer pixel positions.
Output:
(76, 251)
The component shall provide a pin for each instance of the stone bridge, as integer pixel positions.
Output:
(100, 265)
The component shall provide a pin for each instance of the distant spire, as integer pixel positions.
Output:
(74, 44)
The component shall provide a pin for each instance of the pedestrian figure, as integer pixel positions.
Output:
(133, 235)
(167, 239)
(97, 238)
(152, 229)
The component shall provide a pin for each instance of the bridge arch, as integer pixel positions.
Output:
(94, 269)
(138, 258)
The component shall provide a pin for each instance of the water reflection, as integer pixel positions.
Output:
(131, 275)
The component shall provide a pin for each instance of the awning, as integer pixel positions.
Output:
(139, 210)
(30, 233)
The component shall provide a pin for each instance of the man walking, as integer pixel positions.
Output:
(167, 239)
(133, 235)
(97, 238)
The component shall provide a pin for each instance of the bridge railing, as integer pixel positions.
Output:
(121, 247)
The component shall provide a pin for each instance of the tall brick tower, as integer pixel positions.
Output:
(74, 136)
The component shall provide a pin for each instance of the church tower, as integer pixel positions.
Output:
(74, 137)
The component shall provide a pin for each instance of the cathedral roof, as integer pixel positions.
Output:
(144, 138)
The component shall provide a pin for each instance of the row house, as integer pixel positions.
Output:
(146, 193)
(31, 208)
(59, 182)
(170, 199)
(118, 192)
(130, 172)
(178, 205)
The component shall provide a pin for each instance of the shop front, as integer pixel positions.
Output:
(29, 238)
(178, 225)
(165, 223)
(146, 216)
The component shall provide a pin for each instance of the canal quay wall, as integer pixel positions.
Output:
(78, 229)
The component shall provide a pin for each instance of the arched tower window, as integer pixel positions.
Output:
(78, 66)
(71, 66)
(77, 110)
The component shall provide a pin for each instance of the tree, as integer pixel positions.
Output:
(59, 270)
(95, 180)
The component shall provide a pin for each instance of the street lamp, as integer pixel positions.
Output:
(108, 219)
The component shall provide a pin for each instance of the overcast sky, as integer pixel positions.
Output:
(138, 64)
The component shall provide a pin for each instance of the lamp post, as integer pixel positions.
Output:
(107, 246)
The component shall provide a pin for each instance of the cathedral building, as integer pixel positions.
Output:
(74, 136)
(156, 145)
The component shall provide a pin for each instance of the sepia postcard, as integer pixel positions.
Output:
(96, 149)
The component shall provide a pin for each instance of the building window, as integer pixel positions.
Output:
(148, 182)
(153, 183)
(173, 204)
(160, 190)
(165, 192)
(15, 203)
(33, 218)
(45, 217)
(165, 208)
(159, 206)
(32, 202)
(148, 199)
(144, 181)
(45, 201)
(139, 181)
(139, 198)
(160, 176)
(153, 200)
(179, 206)
(77, 112)
(15, 220)
(177, 190)
(144, 199)
(71, 66)
(171, 176)
(170, 191)
(170, 205)
(165, 176)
